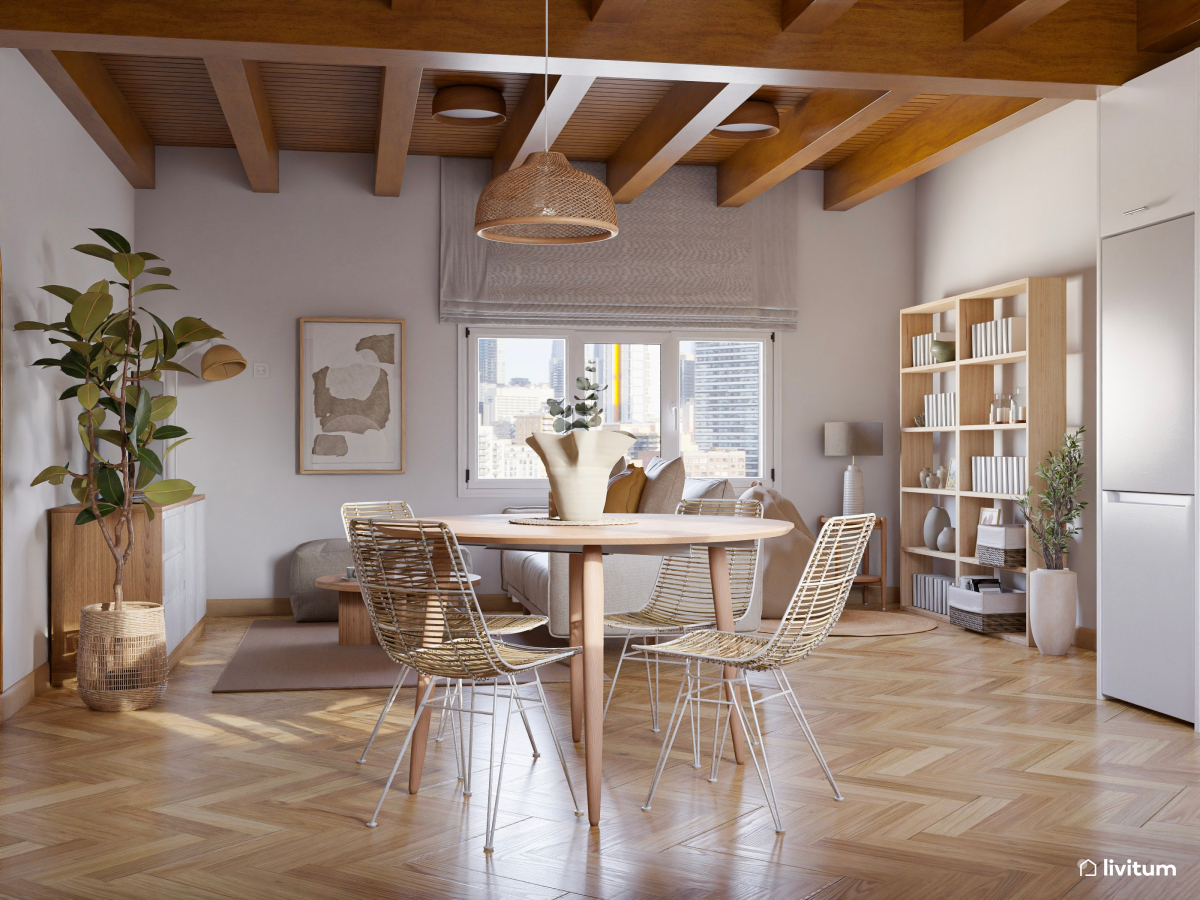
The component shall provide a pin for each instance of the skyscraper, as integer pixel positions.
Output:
(491, 361)
(558, 369)
(728, 392)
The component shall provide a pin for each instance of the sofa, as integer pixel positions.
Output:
(540, 581)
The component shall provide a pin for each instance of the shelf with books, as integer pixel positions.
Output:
(1030, 315)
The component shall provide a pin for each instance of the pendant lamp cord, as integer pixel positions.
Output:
(546, 87)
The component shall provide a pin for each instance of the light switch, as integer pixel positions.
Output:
(261, 370)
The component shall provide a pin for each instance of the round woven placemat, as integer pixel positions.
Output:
(546, 520)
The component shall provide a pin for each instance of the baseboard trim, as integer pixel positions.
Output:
(21, 692)
(182, 648)
(253, 606)
(1085, 638)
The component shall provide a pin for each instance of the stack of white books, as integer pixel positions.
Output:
(941, 410)
(922, 347)
(998, 474)
(930, 592)
(998, 337)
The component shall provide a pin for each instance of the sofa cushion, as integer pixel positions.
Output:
(526, 575)
(707, 489)
(664, 486)
(783, 558)
(625, 491)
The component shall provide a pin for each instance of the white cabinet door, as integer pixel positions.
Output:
(1148, 163)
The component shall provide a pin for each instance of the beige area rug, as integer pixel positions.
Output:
(873, 623)
(283, 655)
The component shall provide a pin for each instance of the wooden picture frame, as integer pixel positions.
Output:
(351, 420)
(989, 515)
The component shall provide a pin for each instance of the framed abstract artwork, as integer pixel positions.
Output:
(351, 396)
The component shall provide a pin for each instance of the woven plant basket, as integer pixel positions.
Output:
(122, 659)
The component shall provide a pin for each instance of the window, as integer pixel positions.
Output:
(706, 398)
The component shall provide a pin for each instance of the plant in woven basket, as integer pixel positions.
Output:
(107, 356)
(585, 411)
(1054, 516)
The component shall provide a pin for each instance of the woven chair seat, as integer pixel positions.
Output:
(462, 658)
(741, 650)
(513, 624)
(647, 620)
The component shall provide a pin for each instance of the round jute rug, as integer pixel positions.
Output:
(873, 623)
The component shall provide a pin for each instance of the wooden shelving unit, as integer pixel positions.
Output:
(974, 379)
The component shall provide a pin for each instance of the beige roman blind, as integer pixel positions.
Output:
(680, 261)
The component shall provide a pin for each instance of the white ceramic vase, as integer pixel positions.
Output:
(852, 491)
(578, 464)
(1052, 601)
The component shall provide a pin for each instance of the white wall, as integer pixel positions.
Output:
(55, 183)
(843, 363)
(252, 264)
(1023, 205)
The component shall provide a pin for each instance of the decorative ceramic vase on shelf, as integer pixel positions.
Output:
(943, 477)
(1052, 601)
(122, 656)
(945, 541)
(942, 351)
(578, 464)
(923, 478)
(936, 521)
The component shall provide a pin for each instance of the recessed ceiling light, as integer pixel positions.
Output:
(752, 120)
(472, 105)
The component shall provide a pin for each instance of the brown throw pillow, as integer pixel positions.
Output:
(625, 491)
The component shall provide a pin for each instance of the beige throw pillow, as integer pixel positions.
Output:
(784, 557)
(664, 486)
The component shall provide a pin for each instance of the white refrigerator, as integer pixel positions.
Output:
(1148, 577)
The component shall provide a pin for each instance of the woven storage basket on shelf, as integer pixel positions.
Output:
(987, 623)
(122, 659)
(995, 556)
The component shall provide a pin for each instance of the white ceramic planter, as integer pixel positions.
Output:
(578, 464)
(1052, 602)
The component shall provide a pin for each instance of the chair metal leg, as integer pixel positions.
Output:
(672, 730)
(403, 748)
(794, 705)
(469, 743)
(494, 799)
(718, 747)
(767, 785)
(621, 659)
(652, 687)
(441, 732)
(562, 758)
(694, 715)
(404, 670)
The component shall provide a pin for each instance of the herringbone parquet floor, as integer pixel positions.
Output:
(973, 769)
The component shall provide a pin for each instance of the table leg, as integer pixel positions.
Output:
(575, 580)
(883, 570)
(718, 569)
(593, 674)
(420, 738)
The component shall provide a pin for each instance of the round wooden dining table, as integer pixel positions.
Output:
(656, 535)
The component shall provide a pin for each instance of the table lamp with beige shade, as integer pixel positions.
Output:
(853, 439)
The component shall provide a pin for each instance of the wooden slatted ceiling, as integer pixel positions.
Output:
(609, 113)
(712, 151)
(173, 98)
(331, 108)
(432, 138)
(886, 125)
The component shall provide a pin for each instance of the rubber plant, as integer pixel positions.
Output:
(1054, 516)
(120, 417)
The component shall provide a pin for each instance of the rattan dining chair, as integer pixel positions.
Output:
(427, 616)
(810, 616)
(396, 510)
(682, 599)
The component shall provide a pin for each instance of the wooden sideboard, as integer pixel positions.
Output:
(167, 567)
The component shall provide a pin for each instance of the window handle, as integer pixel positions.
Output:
(675, 417)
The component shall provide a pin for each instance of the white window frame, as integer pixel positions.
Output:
(534, 490)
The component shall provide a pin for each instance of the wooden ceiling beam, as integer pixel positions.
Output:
(616, 12)
(529, 121)
(877, 46)
(88, 91)
(997, 20)
(243, 99)
(936, 136)
(684, 117)
(1164, 26)
(398, 90)
(812, 16)
(825, 119)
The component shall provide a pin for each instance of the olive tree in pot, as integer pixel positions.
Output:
(1054, 520)
(122, 658)
(579, 456)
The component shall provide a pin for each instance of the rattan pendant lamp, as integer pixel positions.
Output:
(546, 200)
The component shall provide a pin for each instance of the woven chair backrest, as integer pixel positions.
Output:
(389, 510)
(683, 590)
(821, 594)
